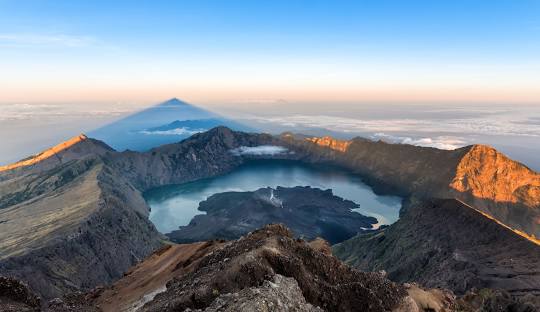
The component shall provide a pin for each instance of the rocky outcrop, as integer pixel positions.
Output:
(308, 212)
(16, 297)
(444, 243)
(268, 270)
(279, 294)
(253, 261)
(501, 187)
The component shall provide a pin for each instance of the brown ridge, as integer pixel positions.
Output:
(45, 154)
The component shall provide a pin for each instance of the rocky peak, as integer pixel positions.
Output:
(327, 141)
(487, 173)
(75, 148)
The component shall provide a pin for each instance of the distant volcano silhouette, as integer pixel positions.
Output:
(167, 122)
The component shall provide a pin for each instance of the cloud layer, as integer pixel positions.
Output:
(259, 150)
(440, 142)
(492, 125)
(177, 131)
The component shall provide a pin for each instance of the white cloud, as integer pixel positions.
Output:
(259, 150)
(440, 142)
(176, 131)
(45, 40)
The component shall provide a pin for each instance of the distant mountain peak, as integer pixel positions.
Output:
(174, 101)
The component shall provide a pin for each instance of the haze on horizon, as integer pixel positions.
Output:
(433, 73)
(216, 52)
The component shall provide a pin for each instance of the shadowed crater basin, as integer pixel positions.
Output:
(175, 205)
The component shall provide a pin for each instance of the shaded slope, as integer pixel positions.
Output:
(444, 243)
(69, 222)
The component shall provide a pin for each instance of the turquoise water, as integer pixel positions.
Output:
(175, 205)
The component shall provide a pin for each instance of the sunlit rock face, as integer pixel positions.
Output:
(486, 173)
(338, 145)
(45, 154)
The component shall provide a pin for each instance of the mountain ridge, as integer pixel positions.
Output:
(477, 174)
(115, 222)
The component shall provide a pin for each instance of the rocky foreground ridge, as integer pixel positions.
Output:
(444, 243)
(77, 220)
(267, 270)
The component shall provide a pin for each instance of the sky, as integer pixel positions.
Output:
(217, 52)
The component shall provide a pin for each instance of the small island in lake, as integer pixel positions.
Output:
(308, 212)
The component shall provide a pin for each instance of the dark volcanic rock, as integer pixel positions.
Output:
(16, 297)
(280, 294)
(251, 261)
(444, 243)
(308, 212)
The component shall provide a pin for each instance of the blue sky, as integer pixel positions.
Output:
(214, 51)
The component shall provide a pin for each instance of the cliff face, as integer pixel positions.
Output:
(444, 243)
(499, 186)
(477, 175)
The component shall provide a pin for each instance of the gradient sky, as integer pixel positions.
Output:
(220, 51)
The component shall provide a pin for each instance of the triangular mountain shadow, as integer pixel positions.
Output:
(167, 122)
